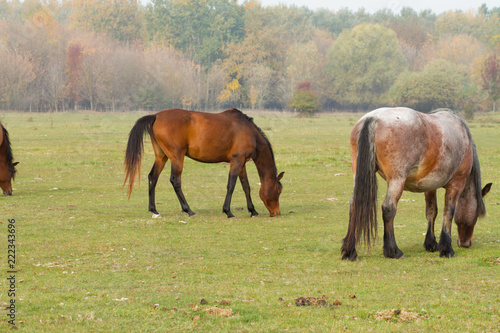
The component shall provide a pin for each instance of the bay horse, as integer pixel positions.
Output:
(416, 152)
(7, 164)
(229, 136)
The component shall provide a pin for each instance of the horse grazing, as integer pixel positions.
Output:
(229, 136)
(416, 152)
(7, 164)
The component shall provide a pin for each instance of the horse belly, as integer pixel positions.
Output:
(416, 182)
(207, 153)
(424, 185)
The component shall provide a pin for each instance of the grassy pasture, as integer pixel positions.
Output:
(89, 259)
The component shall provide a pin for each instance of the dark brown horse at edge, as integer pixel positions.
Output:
(7, 164)
(229, 136)
(416, 152)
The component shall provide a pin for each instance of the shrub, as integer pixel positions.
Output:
(304, 100)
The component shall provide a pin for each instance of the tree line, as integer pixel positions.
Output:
(212, 54)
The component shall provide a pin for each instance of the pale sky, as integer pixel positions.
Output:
(437, 6)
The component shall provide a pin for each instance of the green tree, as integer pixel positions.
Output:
(363, 64)
(441, 84)
(199, 28)
(119, 19)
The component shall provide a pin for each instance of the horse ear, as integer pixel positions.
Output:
(15, 163)
(281, 175)
(486, 189)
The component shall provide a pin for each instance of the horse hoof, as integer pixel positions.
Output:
(350, 256)
(431, 247)
(156, 216)
(447, 254)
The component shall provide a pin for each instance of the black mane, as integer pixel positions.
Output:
(10, 156)
(250, 119)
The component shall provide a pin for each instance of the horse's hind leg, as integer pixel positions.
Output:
(348, 248)
(175, 179)
(246, 188)
(431, 211)
(159, 164)
(160, 161)
(389, 208)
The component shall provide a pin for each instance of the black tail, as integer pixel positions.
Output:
(363, 210)
(10, 156)
(135, 147)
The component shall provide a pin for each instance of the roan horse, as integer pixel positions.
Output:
(229, 136)
(416, 152)
(7, 165)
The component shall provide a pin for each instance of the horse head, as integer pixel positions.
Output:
(270, 191)
(467, 212)
(6, 175)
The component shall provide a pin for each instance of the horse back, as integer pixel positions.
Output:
(205, 137)
(425, 151)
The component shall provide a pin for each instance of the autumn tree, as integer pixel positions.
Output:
(303, 63)
(269, 33)
(490, 78)
(74, 58)
(16, 73)
(412, 28)
(125, 73)
(459, 49)
(483, 27)
(363, 64)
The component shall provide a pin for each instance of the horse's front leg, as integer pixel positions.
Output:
(450, 201)
(234, 171)
(246, 188)
(389, 208)
(431, 211)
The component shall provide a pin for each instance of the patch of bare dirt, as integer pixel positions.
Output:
(493, 260)
(399, 315)
(316, 301)
(219, 312)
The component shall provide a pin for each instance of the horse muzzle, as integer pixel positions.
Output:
(8, 192)
(465, 244)
(275, 213)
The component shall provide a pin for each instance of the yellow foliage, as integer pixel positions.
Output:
(229, 90)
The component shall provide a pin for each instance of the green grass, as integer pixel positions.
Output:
(89, 259)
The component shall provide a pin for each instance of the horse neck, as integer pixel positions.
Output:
(264, 161)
